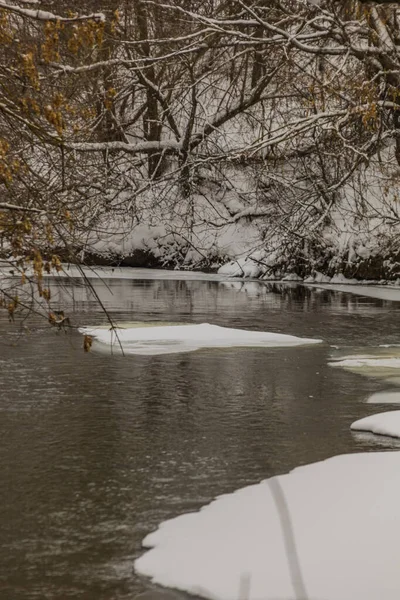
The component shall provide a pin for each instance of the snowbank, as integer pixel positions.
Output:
(328, 531)
(386, 423)
(247, 266)
(169, 339)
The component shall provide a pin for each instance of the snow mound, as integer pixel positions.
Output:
(167, 339)
(342, 280)
(386, 397)
(328, 530)
(386, 423)
(242, 267)
(310, 279)
(321, 278)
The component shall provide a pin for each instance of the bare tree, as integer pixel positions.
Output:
(162, 112)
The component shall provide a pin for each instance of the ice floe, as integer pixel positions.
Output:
(386, 423)
(328, 530)
(166, 339)
(381, 361)
(355, 362)
(385, 397)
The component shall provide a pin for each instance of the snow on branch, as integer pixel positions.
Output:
(43, 15)
(7, 206)
(251, 212)
(169, 146)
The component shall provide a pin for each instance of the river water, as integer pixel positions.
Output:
(96, 450)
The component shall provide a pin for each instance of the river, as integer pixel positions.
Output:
(96, 450)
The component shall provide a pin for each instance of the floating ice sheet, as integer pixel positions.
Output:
(328, 531)
(386, 423)
(355, 362)
(381, 362)
(385, 397)
(166, 339)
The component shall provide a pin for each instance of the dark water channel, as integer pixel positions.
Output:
(96, 450)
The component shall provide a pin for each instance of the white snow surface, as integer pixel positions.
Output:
(385, 397)
(292, 277)
(339, 517)
(248, 266)
(386, 423)
(167, 339)
(354, 362)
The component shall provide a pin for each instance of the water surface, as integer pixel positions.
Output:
(96, 450)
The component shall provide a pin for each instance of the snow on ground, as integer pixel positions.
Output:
(292, 277)
(386, 423)
(326, 531)
(385, 397)
(168, 339)
(248, 266)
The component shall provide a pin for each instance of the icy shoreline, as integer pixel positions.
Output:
(383, 290)
(338, 282)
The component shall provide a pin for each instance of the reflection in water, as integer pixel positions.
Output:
(96, 450)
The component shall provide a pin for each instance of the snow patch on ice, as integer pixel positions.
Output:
(385, 397)
(167, 339)
(386, 423)
(356, 362)
(389, 345)
(340, 517)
